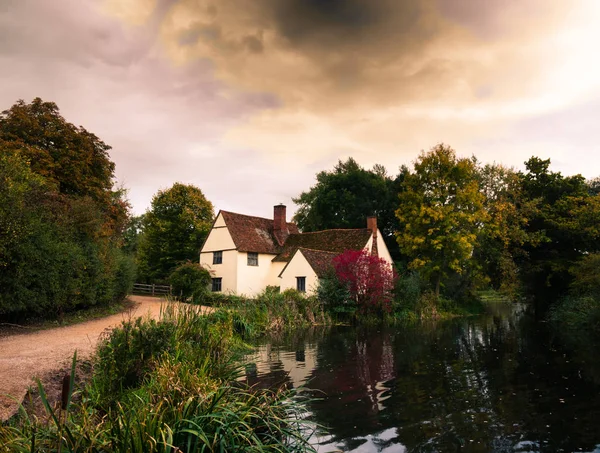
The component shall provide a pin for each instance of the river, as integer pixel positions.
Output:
(494, 383)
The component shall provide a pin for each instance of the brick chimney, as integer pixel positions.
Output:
(280, 228)
(372, 225)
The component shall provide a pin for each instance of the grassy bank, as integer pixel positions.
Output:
(166, 386)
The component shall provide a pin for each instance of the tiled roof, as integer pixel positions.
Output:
(253, 234)
(320, 261)
(337, 241)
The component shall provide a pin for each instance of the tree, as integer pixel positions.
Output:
(369, 279)
(441, 212)
(72, 160)
(346, 196)
(174, 229)
(566, 220)
(60, 219)
(53, 257)
(501, 240)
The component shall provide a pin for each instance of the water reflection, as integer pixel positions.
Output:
(496, 383)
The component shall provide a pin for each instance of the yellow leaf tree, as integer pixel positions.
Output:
(441, 211)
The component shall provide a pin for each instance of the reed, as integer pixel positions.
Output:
(165, 386)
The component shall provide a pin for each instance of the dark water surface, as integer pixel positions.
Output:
(496, 383)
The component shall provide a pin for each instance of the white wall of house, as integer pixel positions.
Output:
(382, 249)
(219, 239)
(254, 279)
(227, 270)
(299, 267)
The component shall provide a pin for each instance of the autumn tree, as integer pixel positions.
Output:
(73, 161)
(440, 213)
(368, 279)
(346, 196)
(58, 247)
(173, 230)
(501, 240)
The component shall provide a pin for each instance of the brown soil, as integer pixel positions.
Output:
(47, 354)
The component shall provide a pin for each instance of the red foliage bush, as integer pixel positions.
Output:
(369, 279)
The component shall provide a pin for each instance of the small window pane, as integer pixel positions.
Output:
(216, 284)
(301, 284)
(252, 259)
(217, 257)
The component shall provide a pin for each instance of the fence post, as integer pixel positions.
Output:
(153, 289)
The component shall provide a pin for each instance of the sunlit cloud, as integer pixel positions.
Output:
(248, 100)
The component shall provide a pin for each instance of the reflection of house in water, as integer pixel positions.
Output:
(274, 367)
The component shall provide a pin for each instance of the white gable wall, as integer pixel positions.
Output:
(382, 248)
(299, 267)
(219, 239)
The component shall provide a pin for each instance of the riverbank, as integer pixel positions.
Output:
(155, 384)
(41, 353)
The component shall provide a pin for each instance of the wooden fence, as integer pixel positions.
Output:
(151, 290)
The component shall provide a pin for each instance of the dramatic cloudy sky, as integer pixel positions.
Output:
(248, 99)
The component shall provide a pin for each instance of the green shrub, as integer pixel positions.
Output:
(126, 355)
(407, 291)
(336, 297)
(190, 281)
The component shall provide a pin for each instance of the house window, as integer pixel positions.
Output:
(252, 259)
(216, 284)
(217, 257)
(301, 284)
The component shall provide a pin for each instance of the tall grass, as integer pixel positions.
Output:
(165, 386)
(271, 311)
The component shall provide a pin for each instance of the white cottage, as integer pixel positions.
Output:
(245, 254)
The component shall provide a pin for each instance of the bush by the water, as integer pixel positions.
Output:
(270, 310)
(165, 386)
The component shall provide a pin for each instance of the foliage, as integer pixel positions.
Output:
(270, 311)
(132, 233)
(54, 256)
(164, 386)
(346, 196)
(370, 280)
(567, 221)
(70, 158)
(60, 219)
(173, 231)
(586, 276)
(407, 292)
(440, 213)
(336, 297)
(502, 237)
(190, 280)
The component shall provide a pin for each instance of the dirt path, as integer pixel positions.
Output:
(25, 356)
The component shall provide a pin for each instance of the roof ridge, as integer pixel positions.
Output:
(335, 229)
(252, 216)
(317, 250)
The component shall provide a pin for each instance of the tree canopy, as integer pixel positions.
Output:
(566, 223)
(173, 230)
(60, 220)
(66, 155)
(440, 212)
(346, 196)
